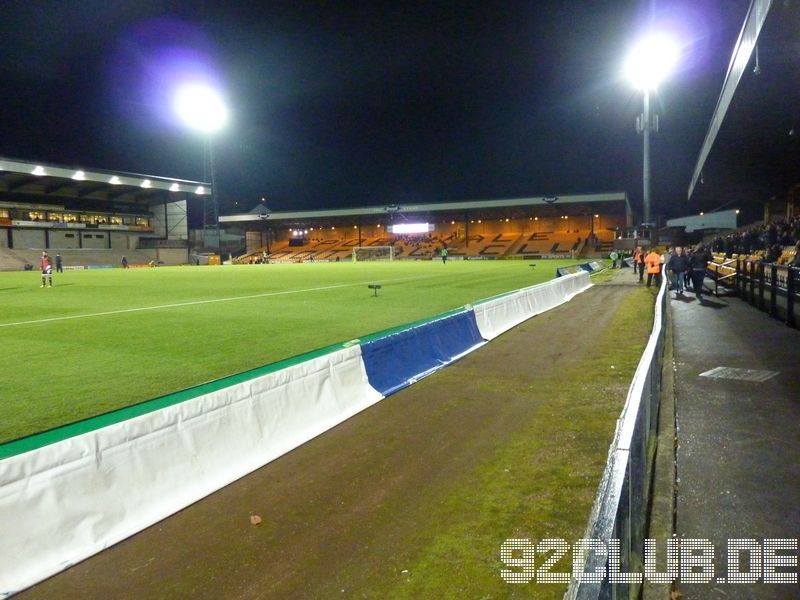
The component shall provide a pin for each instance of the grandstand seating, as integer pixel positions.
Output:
(493, 245)
(422, 247)
(550, 242)
(787, 256)
(723, 270)
(313, 250)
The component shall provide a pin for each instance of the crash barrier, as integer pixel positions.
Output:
(64, 501)
(399, 359)
(497, 315)
(770, 287)
(591, 267)
(68, 493)
(620, 507)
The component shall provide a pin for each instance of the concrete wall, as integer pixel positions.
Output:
(173, 256)
(121, 241)
(64, 239)
(94, 239)
(28, 238)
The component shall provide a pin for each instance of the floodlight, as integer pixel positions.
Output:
(79, 176)
(651, 61)
(39, 170)
(410, 228)
(174, 188)
(200, 190)
(200, 107)
(114, 180)
(145, 183)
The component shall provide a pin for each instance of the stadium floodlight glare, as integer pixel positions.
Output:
(174, 188)
(651, 61)
(200, 190)
(79, 176)
(405, 228)
(200, 107)
(39, 170)
(114, 180)
(145, 183)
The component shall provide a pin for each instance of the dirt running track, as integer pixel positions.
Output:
(350, 513)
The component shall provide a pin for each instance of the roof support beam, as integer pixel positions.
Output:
(91, 189)
(21, 183)
(748, 36)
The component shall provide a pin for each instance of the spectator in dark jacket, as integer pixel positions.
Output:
(678, 263)
(773, 254)
(698, 261)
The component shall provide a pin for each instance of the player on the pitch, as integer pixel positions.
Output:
(47, 269)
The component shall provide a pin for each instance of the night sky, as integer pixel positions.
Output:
(348, 104)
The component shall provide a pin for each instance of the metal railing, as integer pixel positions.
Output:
(770, 287)
(719, 276)
(621, 505)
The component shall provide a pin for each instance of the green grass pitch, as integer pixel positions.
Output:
(103, 339)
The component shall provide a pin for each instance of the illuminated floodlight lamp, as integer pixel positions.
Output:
(200, 107)
(651, 61)
(174, 188)
(79, 176)
(406, 228)
(39, 170)
(200, 190)
(114, 180)
(146, 183)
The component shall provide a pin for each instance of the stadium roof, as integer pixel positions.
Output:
(264, 213)
(752, 147)
(58, 181)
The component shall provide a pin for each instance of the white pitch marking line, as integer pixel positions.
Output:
(196, 302)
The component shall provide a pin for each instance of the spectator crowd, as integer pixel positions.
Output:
(783, 232)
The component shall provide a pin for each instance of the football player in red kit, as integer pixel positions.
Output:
(47, 269)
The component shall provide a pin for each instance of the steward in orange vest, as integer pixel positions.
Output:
(637, 253)
(653, 262)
